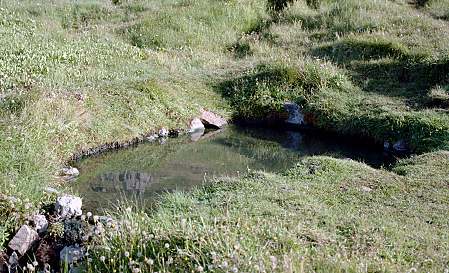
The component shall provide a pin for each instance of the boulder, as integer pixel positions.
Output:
(40, 223)
(196, 125)
(295, 116)
(212, 120)
(196, 129)
(68, 206)
(23, 240)
(71, 254)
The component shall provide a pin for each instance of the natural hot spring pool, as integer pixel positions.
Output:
(144, 172)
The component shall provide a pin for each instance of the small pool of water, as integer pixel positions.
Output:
(144, 172)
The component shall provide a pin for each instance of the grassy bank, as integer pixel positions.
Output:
(74, 75)
(324, 215)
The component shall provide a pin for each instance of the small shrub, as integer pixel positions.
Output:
(241, 49)
(279, 5)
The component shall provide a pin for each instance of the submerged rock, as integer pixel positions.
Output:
(68, 206)
(387, 145)
(23, 240)
(400, 146)
(213, 120)
(295, 117)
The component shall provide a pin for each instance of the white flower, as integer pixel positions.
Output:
(126, 254)
(136, 270)
(30, 267)
(35, 263)
(149, 261)
(199, 268)
(167, 245)
(128, 209)
(89, 214)
(96, 218)
(103, 258)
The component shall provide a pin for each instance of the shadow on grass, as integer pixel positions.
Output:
(388, 69)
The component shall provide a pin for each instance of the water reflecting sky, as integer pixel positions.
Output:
(144, 172)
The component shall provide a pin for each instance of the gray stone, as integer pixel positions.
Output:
(400, 146)
(195, 136)
(71, 254)
(196, 125)
(68, 206)
(197, 129)
(295, 117)
(70, 171)
(152, 138)
(13, 261)
(40, 223)
(210, 119)
(23, 240)
(163, 132)
(365, 189)
(51, 190)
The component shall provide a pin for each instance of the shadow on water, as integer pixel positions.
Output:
(144, 172)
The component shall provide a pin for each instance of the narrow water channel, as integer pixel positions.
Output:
(144, 172)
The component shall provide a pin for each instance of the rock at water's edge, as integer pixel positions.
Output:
(23, 240)
(400, 146)
(163, 132)
(295, 117)
(196, 129)
(196, 125)
(210, 119)
(70, 172)
(68, 206)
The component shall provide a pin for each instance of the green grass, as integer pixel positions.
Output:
(74, 75)
(324, 215)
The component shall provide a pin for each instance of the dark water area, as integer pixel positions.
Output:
(144, 172)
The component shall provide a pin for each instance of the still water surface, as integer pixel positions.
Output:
(144, 172)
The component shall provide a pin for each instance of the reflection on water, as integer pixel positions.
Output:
(144, 172)
(128, 181)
